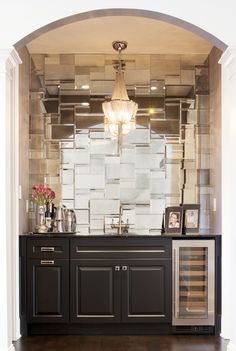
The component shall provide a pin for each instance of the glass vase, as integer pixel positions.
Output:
(40, 226)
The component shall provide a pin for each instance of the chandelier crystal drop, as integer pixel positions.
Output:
(120, 111)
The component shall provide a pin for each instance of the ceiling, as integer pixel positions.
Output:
(144, 36)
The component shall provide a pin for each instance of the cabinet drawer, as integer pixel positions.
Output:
(48, 248)
(120, 248)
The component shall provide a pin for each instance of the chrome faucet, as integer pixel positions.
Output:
(122, 228)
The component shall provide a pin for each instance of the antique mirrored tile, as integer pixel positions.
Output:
(173, 200)
(82, 216)
(157, 146)
(203, 143)
(97, 194)
(67, 191)
(97, 165)
(81, 140)
(89, 181)
(67, 176)
(142, 181)
(205, 201)
(36, 154)
(189, 196)
(189, 164)
(96, 135)
(173, 172)
(134, 196)
(203, 177)
(192, 117)
(120, 171)
(82, 169)
(36, 142)
(96, 224)
(138, 136)
(189, 151)
(157, 206)
(67, 144)
(82, 229)
(79, 156)
(204, 220)
(112, 191)
(103, 147)
(203, 161)
(142, 209)
(174, 151)
(189, 134)
(156, 221)
(128, 155)
(202, 101)
(158, 186)
(148, 160)
(142, 149)
(104, 206)
(127, 184)
(81, 201)
(157, 174)
(112, 159)
(52, 179)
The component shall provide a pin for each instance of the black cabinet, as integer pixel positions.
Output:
(47, 277)
(95, 291)
(146, 290)
(90, 285)
(48, 299)
(120, 280)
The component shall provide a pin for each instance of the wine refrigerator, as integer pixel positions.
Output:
(193, 282)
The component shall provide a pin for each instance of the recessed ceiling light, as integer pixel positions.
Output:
(58, 86)
(164, 88)
(153, 88)
(75, 87)
(84, 103)
(85, 86)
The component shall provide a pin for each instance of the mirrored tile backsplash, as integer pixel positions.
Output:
(164, 162)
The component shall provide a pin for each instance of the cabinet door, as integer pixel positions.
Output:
(146, 290)
(95, 291)
(48, 290)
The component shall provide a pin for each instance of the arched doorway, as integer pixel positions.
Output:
(122, 12)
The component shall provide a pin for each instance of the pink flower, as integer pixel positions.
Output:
(42, 193)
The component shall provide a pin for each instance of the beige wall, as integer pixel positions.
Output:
(24, 137)
(215, 125)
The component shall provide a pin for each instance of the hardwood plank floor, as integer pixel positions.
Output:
(121, 343)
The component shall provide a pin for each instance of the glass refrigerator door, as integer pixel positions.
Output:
(193, 264)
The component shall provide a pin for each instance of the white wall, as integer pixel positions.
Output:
(20, 18)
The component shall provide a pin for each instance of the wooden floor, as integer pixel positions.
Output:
(121, 343)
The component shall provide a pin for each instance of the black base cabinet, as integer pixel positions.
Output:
(94, 291)
(72, 284)
(109, 291)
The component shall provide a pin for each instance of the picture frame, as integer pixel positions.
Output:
(191, 218)
(173, 220)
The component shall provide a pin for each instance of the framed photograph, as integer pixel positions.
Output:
(191, 218)
(173, 220)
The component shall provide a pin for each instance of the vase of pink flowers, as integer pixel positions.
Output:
(41, 194)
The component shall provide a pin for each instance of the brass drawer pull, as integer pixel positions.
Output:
(47, 262)
(47, 249)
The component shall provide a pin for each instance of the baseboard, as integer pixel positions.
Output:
(231, 347)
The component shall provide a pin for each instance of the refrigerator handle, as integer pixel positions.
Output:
(176, 281)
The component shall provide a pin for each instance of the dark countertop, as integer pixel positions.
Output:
(146, 236)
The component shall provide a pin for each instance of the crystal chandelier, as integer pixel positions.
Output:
(120, 111)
